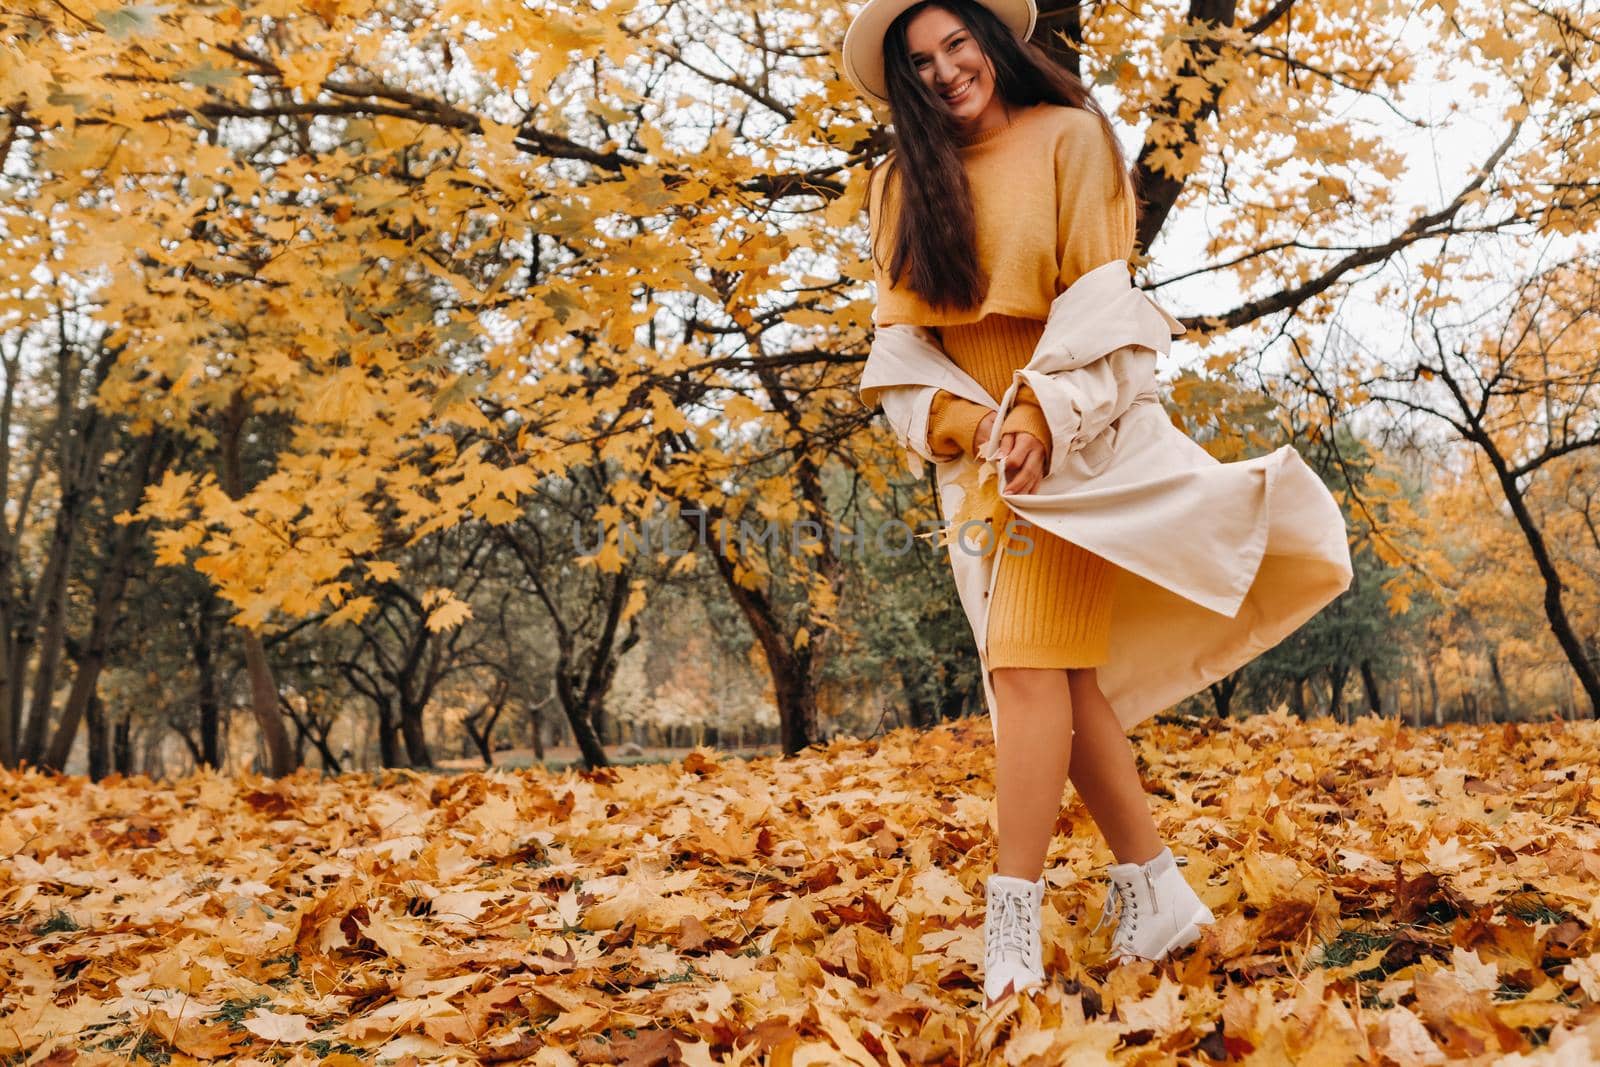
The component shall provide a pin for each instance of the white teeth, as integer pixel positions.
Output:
(961, 91)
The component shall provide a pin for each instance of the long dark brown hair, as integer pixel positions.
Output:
(935, 232)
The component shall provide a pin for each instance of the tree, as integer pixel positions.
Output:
(149, 456)
(1522, 395)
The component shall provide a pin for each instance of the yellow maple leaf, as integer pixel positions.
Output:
(449, 611)
(382, 570)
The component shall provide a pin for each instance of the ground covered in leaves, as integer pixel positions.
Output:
(1383, 895)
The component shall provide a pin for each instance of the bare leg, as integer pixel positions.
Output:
(1035, 747)
(1105, 774)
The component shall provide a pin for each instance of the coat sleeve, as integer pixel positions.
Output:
(907, 408)
(1082, 403)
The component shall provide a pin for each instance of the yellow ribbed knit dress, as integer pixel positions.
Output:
(1043, 189)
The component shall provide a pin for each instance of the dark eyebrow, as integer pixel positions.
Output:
(947, 36)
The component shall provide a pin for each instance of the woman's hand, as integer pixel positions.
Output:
(1023, 451)
(1025, 454)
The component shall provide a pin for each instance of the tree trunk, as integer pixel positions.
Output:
(1222, 691)
(263, 690)
(99, 738)
(583, 675)
(1159, 189)
(195, 752)
(1369, 682)
(788, 661)
(412, 733)
(388, 749)
(482, 743)
(10, 679)
(315, 731)
(1434, 711)
(154, 454)
(1554, 605)
(953, 702)
(80, 473)
(1337, 673)
(1297, 698)
(264, 704)
(122, 744)
(202, 643)
(792, 683)
(1501, 694)
(11, 664)
(583, 734)
(480, 724)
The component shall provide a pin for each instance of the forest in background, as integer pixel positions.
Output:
(329, 331)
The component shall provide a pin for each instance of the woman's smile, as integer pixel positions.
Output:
(955, 95)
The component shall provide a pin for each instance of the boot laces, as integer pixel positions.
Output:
(1130, 913)
(1011, 923)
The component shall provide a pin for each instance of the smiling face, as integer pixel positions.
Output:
(949, 61)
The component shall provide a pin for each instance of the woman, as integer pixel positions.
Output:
(1006, 186)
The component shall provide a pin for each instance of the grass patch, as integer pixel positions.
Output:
(149, 1048)
(688, 974)
(234, 1012)
(292, 960)
(1534, 911)
(58, 923)
(1352, 945)
(323, 1048)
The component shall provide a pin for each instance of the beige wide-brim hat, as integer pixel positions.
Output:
(863, 41)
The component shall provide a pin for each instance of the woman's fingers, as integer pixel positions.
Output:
(1003, 452)
(1028, 453)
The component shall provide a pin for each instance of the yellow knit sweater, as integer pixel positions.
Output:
(1044, 192)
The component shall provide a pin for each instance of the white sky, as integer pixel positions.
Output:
(1441, 158)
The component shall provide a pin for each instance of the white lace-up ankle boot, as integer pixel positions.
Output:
(1160, 913)
(1013, 954)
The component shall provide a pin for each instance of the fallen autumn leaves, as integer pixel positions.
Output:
(1383, 895)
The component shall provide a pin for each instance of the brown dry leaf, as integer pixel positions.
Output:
(212, 1041)
(825, 909)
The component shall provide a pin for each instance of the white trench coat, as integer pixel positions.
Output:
(1219, 561)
